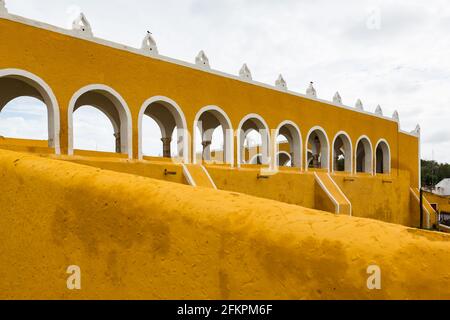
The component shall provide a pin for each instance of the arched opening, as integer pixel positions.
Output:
(162, 129)
(383, 157)
(112, 105)
(24, 118)
(364, 156)
(318, 146)
(253, 139)
(28, 108)
(288, 135)
(284, 159)
(342, 153)
(152, 143)
(93, 130)
(213, 136)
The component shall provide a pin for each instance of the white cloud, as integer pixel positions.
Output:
(402, 65)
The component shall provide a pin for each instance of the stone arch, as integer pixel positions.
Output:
(207, 120)
(292, 133)
(256, 159)
(111, 103)
(309, 158)
(383, 157)
(19, 83)
(317, 142)
(342, 146)
(169, 116)
(283, 158)
(364, 155)
(248, 123)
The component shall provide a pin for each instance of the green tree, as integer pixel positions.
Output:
(433, 172)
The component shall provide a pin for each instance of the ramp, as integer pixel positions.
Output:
(430, 215)
(197, 176)
(341, 203)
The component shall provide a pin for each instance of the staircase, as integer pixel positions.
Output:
(334, 193)
(197, 176)
(430, 214)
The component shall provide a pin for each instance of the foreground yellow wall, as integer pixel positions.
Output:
(139, 238)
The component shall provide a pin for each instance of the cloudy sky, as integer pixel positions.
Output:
(392, 53)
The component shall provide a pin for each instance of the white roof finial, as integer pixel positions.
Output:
(311, 91)
(82, 26)
(245, 73)
(379, 111)
(281, 83)
(149, 44)
(202, 60)
(396, 116)
(3, 9)
(416, 131)
(337, 98)
(359, 105)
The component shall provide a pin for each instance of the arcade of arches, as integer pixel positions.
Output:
(212, 126)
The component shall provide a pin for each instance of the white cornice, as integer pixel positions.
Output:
(409, 133)
(160, 57)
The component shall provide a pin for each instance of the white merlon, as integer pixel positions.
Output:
(379, 111)
(396, 116)
(337, 98)
(149, 44)
(202, 60)
(359, 105)
(416, 131)
(245, 73)
(82, 26)
(311, 91)
(3, 9)
(281, 83)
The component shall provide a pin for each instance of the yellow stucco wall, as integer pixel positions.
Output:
(443, 202)
(370, 197)
(380, 197)
(139, 238)
(286, 186)
(138, 78)
(322, 200)
(409, 155)
(154, 170)
(25, 145)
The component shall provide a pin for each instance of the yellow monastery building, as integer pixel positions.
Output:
(329, 190)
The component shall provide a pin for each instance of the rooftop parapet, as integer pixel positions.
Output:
(82, 28)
